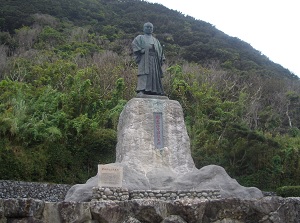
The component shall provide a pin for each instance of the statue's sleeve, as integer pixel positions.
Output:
(136, 44)
(136, 48)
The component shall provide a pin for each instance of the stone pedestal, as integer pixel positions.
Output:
(155, 154)
(137, 136)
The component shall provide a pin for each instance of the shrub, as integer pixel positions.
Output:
(288, 191)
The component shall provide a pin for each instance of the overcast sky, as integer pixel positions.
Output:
(270, 26)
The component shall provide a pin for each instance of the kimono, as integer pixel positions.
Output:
(149, 56)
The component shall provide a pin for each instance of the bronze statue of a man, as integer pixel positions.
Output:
(149, 56)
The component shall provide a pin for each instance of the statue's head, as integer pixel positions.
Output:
(148, 28)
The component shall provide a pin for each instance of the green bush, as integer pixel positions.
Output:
(288, 191)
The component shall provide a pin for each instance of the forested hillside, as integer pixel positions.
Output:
(66, 71)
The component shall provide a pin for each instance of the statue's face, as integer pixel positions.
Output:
(148, 28)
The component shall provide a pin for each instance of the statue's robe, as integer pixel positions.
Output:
(149, 64)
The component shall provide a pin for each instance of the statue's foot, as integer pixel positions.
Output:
(140, 93)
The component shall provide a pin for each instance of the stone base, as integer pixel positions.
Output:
(267, 210)
(168, 165)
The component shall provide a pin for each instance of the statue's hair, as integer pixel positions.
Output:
(148, 23)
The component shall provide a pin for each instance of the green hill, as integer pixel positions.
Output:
(196, 40)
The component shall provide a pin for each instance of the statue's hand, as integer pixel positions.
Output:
(142, 51)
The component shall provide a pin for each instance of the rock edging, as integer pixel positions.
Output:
(122, 194)
(41, 191)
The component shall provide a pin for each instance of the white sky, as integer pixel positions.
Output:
(270, 26)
